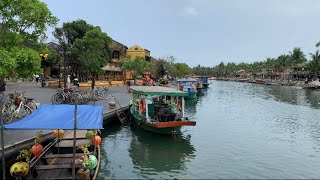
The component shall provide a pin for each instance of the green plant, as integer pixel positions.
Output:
(86, 153)
(26, 154)
(38, 137)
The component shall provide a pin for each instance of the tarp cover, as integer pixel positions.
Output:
(48, 117)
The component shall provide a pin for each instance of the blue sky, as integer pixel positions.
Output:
(204, 32)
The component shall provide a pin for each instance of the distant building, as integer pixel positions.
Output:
(137, 51)
(113, 70)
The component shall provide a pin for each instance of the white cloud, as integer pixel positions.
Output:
(191, 11)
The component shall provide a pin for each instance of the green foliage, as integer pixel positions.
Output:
(93, 50)
(7, 63)
(25, 154)
(24, 22)
(38, 138)
(28, 62)
(180, 70)
(137, 66)
(314, 64)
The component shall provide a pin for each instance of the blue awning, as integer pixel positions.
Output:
(49, 117)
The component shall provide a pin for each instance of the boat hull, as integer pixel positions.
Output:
(168, 128)
(205, 85)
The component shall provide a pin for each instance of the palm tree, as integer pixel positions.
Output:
(315, 62)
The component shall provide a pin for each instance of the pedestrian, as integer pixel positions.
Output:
(2, 84)
(128, 85)
(33, 78)
(37, 78)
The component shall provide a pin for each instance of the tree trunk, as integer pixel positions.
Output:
(93, 81)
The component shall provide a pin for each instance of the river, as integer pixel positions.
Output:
(243, 131)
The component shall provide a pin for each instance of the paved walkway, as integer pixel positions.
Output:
(43, 96)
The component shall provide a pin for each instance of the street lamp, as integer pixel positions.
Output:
(43, 57)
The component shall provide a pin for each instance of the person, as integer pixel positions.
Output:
(2, 84)
(37, 78)
(68, 82)
(33, 78)
(76, 83)
(128, 85)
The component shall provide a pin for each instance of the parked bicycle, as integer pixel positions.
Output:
(15, 108)
(101, 93)
(62, 96)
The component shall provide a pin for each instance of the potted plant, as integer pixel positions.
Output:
(21, 168)
(37, 149)
(84, 172)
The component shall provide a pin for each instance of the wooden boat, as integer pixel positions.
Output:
(189, 86)
(61, 159)
(159, 109)
(56, 162)
(204, 80)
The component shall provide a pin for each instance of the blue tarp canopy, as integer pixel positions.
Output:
(49, 117)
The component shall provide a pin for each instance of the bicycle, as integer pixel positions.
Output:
(99, 94)
(28, 101)
(62, 96)
(16, 108)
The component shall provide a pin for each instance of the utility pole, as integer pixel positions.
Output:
(64, 69)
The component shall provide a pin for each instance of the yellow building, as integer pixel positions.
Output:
(137, 51)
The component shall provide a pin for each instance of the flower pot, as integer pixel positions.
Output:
(83, 174)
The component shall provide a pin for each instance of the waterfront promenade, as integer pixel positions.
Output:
(43, 96)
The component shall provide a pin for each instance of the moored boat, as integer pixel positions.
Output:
(62, 159)
(188, 85)
(159, 109)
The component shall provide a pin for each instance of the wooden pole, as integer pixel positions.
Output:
(74, 139)
(2, 138)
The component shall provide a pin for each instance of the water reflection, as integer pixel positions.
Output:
(157, 153)
(290, 94)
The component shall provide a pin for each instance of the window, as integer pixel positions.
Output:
(115, 54)
(136, 49)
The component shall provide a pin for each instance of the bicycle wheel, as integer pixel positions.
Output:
(106, 95)
(57, 98)
(6, 114)
(74, 97)
(32, 105)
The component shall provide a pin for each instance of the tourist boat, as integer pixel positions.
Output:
(60, 159)
(159, 109)
(203, 79)
(187, 85)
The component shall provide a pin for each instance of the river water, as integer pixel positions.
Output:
(243, 131)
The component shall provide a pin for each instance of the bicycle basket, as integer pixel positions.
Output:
(17, 101)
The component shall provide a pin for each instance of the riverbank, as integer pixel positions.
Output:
(309, 85)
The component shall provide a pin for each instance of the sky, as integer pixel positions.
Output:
(201, 32)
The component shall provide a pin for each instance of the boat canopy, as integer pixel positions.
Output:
(157, 90)
(187, 80)
(49, 117)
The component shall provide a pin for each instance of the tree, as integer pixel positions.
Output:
(24, 22)
(181, 70)
(27, 58)
(67, 36)
(137, 66)
(7, 64)
(315, 62)
(93, 51)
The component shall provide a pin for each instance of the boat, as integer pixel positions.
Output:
(203, 79)
(61, 159)
(189, 86)
(159, 109)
